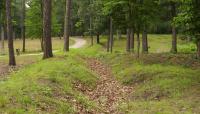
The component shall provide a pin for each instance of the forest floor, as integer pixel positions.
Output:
(91, 81)
(108, 92)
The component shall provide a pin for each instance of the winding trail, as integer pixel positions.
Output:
(79, 43)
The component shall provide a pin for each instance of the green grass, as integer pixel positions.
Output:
(45, 87)
(157, 44)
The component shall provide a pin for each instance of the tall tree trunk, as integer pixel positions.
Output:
(174, 40)
(108, 44)
(2, 41)
(144, 41)
(120, 34)
(138, 44)
(67, 25)
(174, 35)
(14, 37)
(117, 34)
(41, 38)
(23, 26)
(0, 37)
(128, 40)
(47, 29)
(198, 49)
(91, 33)
(98, 39)
(42, 43)
(111, 35)
(132, 39)
(12, 61)
(5, 31)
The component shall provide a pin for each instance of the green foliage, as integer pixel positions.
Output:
(188, 18)
(34, 20)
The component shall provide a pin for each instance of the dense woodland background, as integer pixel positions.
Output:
(98, 17)
(100, 56)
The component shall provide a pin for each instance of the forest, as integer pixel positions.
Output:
(99, 56)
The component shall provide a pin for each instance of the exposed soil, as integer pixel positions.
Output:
(109, 92)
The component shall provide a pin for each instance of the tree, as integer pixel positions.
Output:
(34, 23)
(174, 31)
(47, 29)
(67, 25)
(9, 34)
(23, 25)
(111, 35)
(2, 27)
(188, 19)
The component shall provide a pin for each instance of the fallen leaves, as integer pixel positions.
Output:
(108, 92)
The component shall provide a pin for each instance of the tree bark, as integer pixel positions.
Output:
(198, 49)
(108, 44)
(42, 43)
(1, 36)
(132, 40)
(2, 41)
(67, 25)
(41, 38)
(174, 35)
(117, 34)
(91, 33)
(47, 29)
(174, 40)
(14, 38)
(144, 41)
(98, 39)
(120, 34)
(138, 44)
(12, 61)
(111, 35)
(5, 31)
(128, 40)
(23, 26)
(0, 29)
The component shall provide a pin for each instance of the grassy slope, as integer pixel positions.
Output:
(165, 89)
(164, 83)
(46, 87)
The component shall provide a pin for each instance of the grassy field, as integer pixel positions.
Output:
(34, 45)
(157, 44)
(163, 83)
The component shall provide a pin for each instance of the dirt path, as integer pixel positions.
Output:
(79, 42)
(109, 92)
